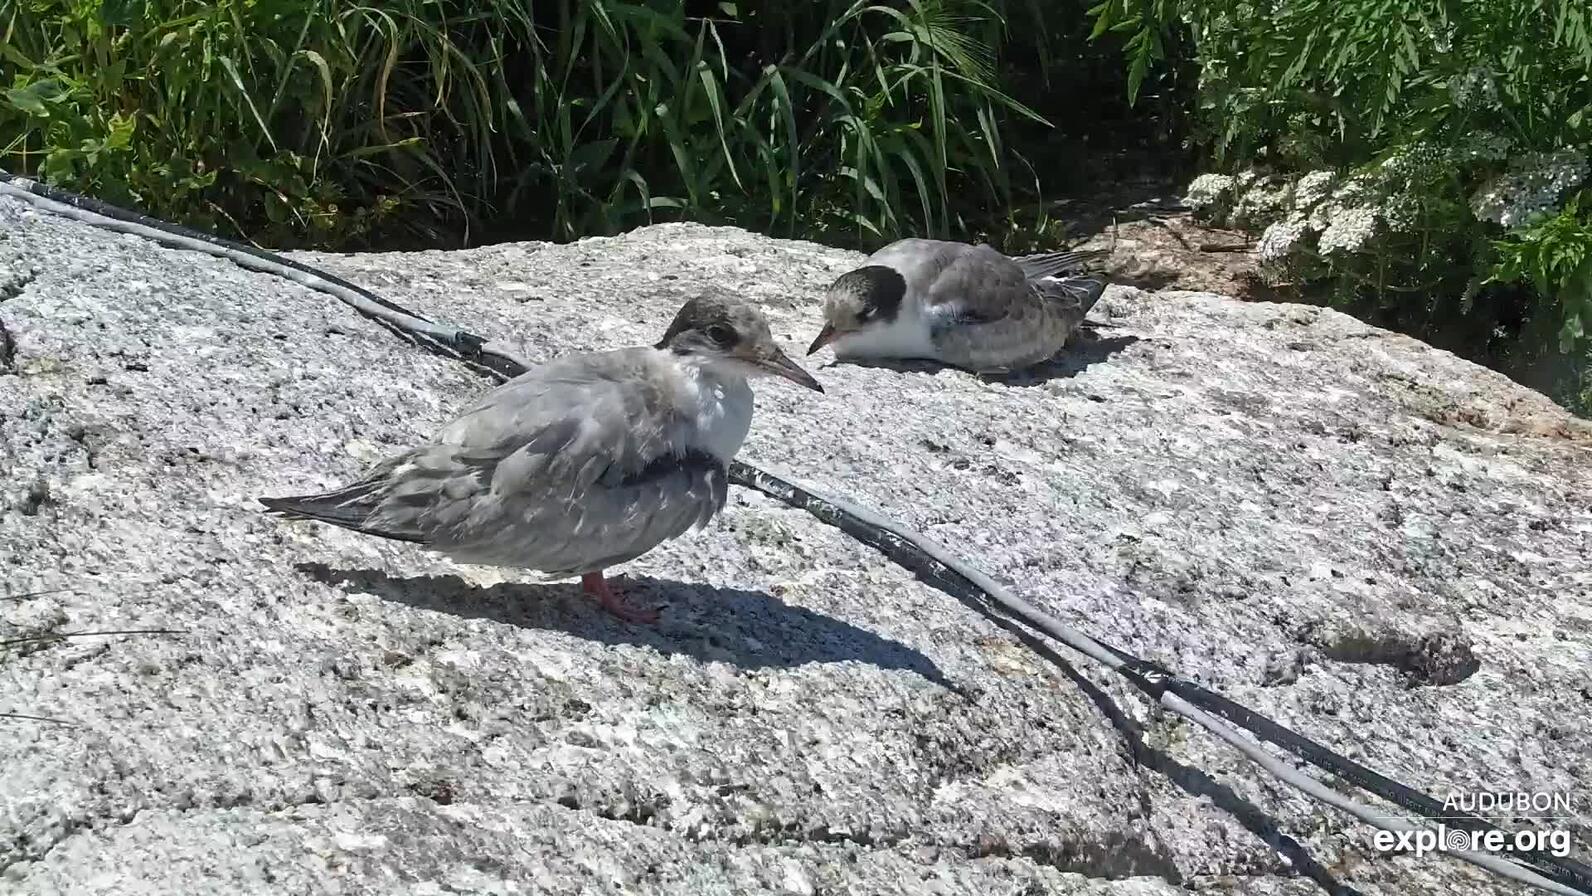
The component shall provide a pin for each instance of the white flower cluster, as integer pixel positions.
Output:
(1342, 215)
(1354, 192)
(1260, 203)
(1399, 212)
(1280, 238)
(1414, 161)
(1349, 230)
(1359, 186)
(1530, 188)
(1284, 235)
(1346, 215)
(1312, 188)
(1207, 190)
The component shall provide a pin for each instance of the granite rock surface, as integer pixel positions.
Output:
(1376, 543)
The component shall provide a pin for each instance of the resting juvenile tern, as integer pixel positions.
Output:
(958, 304)
(580, 464)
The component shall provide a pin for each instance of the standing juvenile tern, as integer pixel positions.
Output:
(967, 306)
(580, 464)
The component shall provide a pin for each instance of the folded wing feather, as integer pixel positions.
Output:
(575, 465)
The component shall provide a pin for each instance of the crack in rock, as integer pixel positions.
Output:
(1443, 657)
(12, 284)
(1110, 857)
(23, 853)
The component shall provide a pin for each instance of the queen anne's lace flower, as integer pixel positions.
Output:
(1530, 188)
(1312, 188)
(1355, 188)
(1355, 192)
(1260, 204)
(1207, 190)
(1349, 230)
(1280, 238)
(1322, 215)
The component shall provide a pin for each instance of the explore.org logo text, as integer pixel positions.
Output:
(1446, 839)
(1546, 834)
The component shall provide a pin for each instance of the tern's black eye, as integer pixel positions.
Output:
(722, 334)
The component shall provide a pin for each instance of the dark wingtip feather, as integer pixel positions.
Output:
(301, 507)
(278, 505)
(1084, 289)
(333, 510)
(1096, 288)
(345, 506)
(1054, 264)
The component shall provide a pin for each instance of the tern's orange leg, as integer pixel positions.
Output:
(595, 585)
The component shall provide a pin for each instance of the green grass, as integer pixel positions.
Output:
(334, 124)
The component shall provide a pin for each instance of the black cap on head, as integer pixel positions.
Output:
(723, 329)
(880, 289)
(725, 321)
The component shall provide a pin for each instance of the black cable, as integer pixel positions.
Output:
(956, 579)
(62, 636)
(453, 342)
(1563, 869)
(90, 204)
(1155, 681)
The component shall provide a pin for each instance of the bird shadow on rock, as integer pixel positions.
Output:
(1081, 355)
(1077, 357)
(747, 629)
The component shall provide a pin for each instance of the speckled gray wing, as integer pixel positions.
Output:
(571, 467)
(978, 286)
(920, 261)
(988, 312)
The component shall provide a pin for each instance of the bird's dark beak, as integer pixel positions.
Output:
(779, 364)
(825, 336)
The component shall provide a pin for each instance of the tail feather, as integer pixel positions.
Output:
(1093, 286)
(1051, 264)
(349, 508)
(1085, 289)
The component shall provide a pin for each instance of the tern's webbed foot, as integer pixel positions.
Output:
(596, 586)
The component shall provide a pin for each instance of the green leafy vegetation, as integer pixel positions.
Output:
(311, 122)
(1421, 162)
